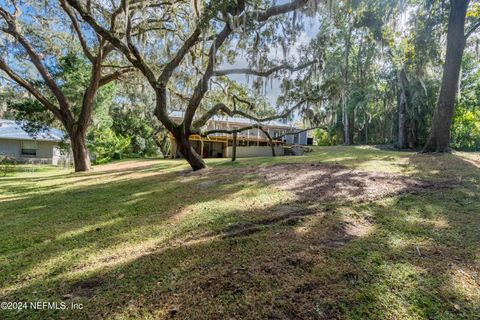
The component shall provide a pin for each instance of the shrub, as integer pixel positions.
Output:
(322, 137)
(466, 129)
(107, 146)
(7, 165)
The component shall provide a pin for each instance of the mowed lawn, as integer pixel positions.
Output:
(340, 233)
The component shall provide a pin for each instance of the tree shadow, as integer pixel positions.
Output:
(88, 219)
(397, 255)
(350, 156)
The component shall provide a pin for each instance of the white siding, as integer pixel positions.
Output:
(45, 150)
(302, 138)
(255, 151)
(10, 148)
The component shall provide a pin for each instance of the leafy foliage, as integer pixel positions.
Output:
(7, 166)
(322, 138)
(466, 129)
(466, 122)
(107, 145)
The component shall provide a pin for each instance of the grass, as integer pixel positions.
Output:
(147, 239)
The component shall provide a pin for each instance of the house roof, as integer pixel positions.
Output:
(10, 129)
(180, 114)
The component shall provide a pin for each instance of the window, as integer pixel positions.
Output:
(29, 148)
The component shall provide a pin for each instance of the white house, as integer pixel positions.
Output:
(17, 143)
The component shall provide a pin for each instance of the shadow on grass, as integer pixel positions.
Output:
(408, 256)
(342, 155)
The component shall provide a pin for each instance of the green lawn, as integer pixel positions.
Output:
(149, 239)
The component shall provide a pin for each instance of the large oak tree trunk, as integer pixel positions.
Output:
(187, 151)
(81, 158)
(439, 138)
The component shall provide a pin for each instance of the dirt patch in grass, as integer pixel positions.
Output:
(345, 231)
(339, 234)
(322, 183)
(285, 214)
(85, 288)
(328, 183)
(318, 184)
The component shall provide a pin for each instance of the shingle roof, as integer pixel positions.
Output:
(180, 114)
(10, 129)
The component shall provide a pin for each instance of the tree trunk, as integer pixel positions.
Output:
(163, 143)
(270, 140)
(402, 111)
(346, 124)
(366, 133)
(413, 134)
(351, 124)
(273, 149)
(187, 151)
(81, 159)
(234, 147)
(439, 139)
(346, 117)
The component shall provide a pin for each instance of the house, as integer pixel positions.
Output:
(250, 143)
(22, 146)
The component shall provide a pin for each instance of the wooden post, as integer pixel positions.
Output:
(234, 147)
(201, 147)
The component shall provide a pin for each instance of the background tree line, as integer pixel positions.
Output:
(383, 65)
(109, 73)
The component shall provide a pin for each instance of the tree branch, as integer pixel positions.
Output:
(221, 107)
(202, 85)
(30, 88)
(270, 140)
(115, 76)
(472, 29)
(182, 52)
(263, 15)
(37, 62)
(114, 40)
(90, 93)
(206, 133)
(297, 132)
(78, 30)
(265, 73)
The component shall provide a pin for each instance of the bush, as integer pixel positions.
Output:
(7, 165)
(322, 138)
(466, 129)
(107, 146)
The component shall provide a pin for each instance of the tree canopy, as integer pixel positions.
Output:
(369, 72)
